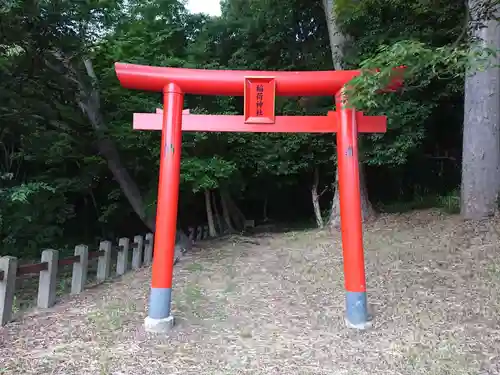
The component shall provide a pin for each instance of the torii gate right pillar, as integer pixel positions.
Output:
(350, 216)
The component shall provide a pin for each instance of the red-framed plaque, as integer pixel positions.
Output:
(260, 94)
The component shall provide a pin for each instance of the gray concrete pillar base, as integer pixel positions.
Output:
(159, 325)
(360, 326)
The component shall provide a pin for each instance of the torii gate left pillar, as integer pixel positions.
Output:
(259, 90)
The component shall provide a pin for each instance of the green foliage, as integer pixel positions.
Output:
(56, 187)
(22, 193)
(205, 173)
(422, 64)
(448, 203)
(26, 220)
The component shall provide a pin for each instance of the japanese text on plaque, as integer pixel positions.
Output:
(260, 100)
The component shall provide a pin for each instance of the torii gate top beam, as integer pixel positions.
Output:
(231, 82)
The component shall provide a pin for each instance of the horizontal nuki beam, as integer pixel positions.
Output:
(283, 124)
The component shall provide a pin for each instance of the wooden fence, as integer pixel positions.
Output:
(47, 269)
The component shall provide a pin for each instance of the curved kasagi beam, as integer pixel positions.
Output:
(230, 82)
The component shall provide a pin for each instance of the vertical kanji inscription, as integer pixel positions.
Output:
(260, 100)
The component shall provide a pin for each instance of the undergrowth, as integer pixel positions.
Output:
(449, 203)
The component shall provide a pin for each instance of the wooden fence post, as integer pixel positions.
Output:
(104, 262)
(206, 232)
(191, 234)
(122, 261)
(137, 252)
(148, 249)
(199, 233)
(80, 267)
(8, 268)
(48, 279)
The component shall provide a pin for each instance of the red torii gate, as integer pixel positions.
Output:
(259, 90)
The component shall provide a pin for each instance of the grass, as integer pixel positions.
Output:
(448, 203)
(277, 308)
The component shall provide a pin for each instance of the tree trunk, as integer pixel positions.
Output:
(265, 219)
(315, 199)
(217, 213)
(367, 211)
(225, 213)
(481, 147)
(129, 188)
(337, 39)
(234, 213)
(210, 216)
(337, 42)
(88, 100)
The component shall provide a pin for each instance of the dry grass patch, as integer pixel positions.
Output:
(277, 308)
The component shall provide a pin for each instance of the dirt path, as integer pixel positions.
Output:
(277, 308)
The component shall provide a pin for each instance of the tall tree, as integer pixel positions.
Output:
(337, 44)
(481, 135)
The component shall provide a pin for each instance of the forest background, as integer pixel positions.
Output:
(72, 170)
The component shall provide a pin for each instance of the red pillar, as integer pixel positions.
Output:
(160, 317)
(350, 216)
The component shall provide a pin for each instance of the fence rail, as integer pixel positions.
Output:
(47, 268)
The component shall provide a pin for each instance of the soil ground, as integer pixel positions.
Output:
(277, 308)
